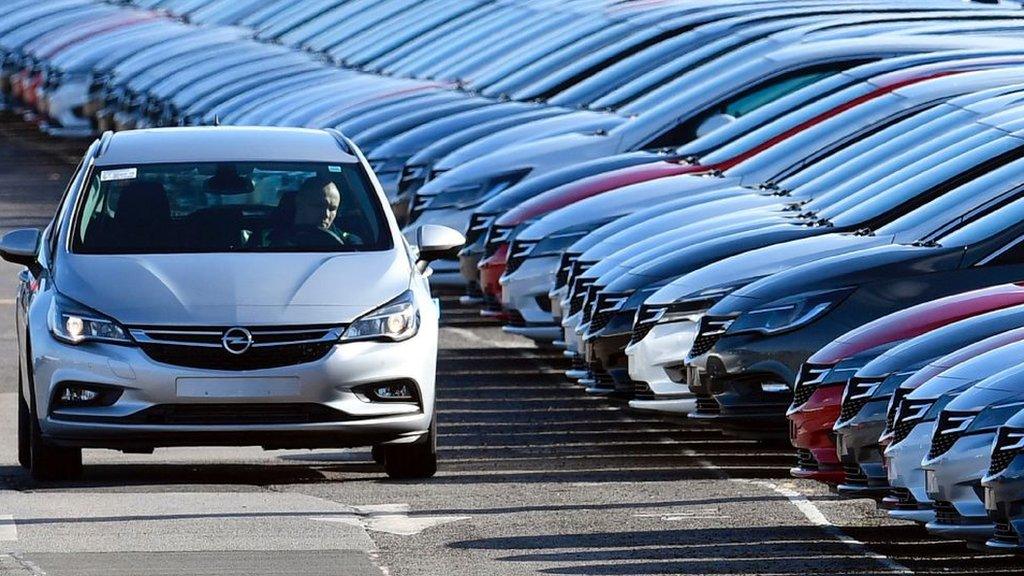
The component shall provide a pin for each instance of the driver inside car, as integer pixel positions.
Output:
(312, 227)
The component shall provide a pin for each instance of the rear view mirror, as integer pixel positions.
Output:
(714, 122)
(436, 242)
(20, 246)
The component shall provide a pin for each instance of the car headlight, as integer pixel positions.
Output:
(75, 323)
(789, 313)
(395, 321)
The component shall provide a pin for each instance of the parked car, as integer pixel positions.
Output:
(865, 404)
(1002, 486)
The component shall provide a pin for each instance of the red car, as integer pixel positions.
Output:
(818, 393)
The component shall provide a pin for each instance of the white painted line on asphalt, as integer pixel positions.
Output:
(699, 514)
(8, 530)
(815, 517)
(389, 518)
(6, 301)
(470, 335)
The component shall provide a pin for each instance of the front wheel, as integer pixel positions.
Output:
(24, 429)
(412, 461)
(44, 461)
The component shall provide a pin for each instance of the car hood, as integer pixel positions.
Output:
(846, 268)
(230, 289)
(606, 205)
(412, 141)
(934, 344)
(984, 394)
(762, 262)
(534, 187)
(920, 319)
(551, 147)
(647, 240)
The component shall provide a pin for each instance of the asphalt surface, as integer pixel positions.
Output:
(536, 477)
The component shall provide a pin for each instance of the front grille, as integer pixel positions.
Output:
(708, 405)
(950, 427)
(894, 405)
(606, 305)
(518, 253)
(578, 363)
(202, 347)
(496, 236)
(412, 177)
(854, 475)
(910, 414)
(710, 331)
(642, 391)
(945, 513)
(810, 377)
(641, 329)
(856, 396)
(565, 265)
(236, 414)
(1005, 533)
(805, 460)
(478, 225)
(902, 499)
(579, 267)
(417, 204)
(1008, 445)
(588, 302)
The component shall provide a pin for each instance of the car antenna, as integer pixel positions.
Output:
(216, 119)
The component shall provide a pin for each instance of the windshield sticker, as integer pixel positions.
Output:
(334, 168)
(121, 174)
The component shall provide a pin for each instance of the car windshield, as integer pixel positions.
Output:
(229, 207)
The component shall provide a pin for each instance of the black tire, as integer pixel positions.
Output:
(24, 428)
(413, 461)
(47, 462)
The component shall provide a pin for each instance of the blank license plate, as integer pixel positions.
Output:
(237, 387)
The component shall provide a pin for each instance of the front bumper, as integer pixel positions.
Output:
(606, 353)
(810, 430)
(903, 466)
(861, 456)
(959, 509)
(308, 405)
(664, 345)
(1004, 500)
(526, 289)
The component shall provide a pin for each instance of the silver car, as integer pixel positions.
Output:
(225, 286)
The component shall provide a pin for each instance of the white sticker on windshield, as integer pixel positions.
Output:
(334, 168)
(121, 174)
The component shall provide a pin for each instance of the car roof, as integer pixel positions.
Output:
(222, 143)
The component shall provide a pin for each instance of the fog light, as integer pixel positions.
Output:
(403, 390)
(774, 387)
(75, 395)
(85, 394)
(394, 391)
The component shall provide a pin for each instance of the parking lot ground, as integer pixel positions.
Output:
(536, 477)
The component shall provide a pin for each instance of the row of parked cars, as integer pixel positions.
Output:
(772, 217)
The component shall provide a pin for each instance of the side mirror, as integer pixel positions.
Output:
(21, 246)
(714, 122)
(436, 242)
